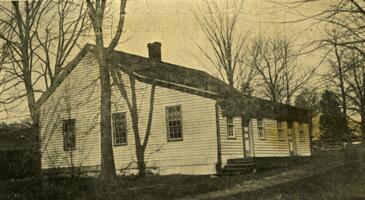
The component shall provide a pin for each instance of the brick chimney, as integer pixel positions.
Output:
(154, 51)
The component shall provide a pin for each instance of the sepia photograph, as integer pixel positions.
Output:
(182, 99)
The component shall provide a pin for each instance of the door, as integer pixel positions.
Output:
(291, 139)
(247, 141)
(247, 136)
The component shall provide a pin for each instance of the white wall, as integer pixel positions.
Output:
(77, 97)
(232, 147)
(271, 146)
(196, 154)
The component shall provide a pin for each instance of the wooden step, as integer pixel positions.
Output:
(240, 161)
(239, 166)
(229, 170)
(242, 165)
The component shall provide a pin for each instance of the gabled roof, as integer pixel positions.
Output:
(185, 80)
(165, 74)
(168, 75)
(65, 72)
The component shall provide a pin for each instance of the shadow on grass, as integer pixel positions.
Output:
(344, 182)
(153, 187)
(128, 187)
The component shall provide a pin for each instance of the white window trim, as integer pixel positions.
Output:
(233, 136)
(115, 134)
(263, 137)
(281, 136)
(301, 132)
(167, 124)
(65, 146)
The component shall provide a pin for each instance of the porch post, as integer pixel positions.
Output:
(219, 146)
(310, 127)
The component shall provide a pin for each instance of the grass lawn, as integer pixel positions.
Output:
(339, 183)
(151, 187)
(346, 182)
(343, 182)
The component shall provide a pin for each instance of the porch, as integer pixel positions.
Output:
(252, 164)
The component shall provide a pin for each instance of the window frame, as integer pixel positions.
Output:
(169, 139)
(232, 124)
(281, 130)
(263, 137)
(301, 132)
(71, 121)
(115, 143)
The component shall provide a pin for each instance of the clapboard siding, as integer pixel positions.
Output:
(231, 147)
(77, 97)
(271, 146)
(196, 154)
(303, 147)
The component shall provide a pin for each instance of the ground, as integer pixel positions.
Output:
(327, 175)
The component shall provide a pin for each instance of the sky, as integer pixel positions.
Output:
(172, 23)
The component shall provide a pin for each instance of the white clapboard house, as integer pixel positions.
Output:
(199, 123)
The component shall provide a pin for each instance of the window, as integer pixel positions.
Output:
(261, 129)
(120, 128)
(301, 132)
(174, 123)
(69, 136)
(280, 130)
(230, 128)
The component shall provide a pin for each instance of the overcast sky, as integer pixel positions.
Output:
(172, 23)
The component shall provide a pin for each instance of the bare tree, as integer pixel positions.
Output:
(16, 32)
(338, 74)
(347, 17)
(26, 49)
(276, 62)
(131, 101)
(96, 10)
(308, 98)
(57, 43)
(227, 45)
(355, 81)
(30, 40)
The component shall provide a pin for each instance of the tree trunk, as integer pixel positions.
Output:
(32, 106)
(141, 161)
(362, 105)
(96, 10)
(362, 123)
(108, 165)
(107, 157)
(33, 109)
(230, 79)
(137, 137)
(343, 95)
(139, 147)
